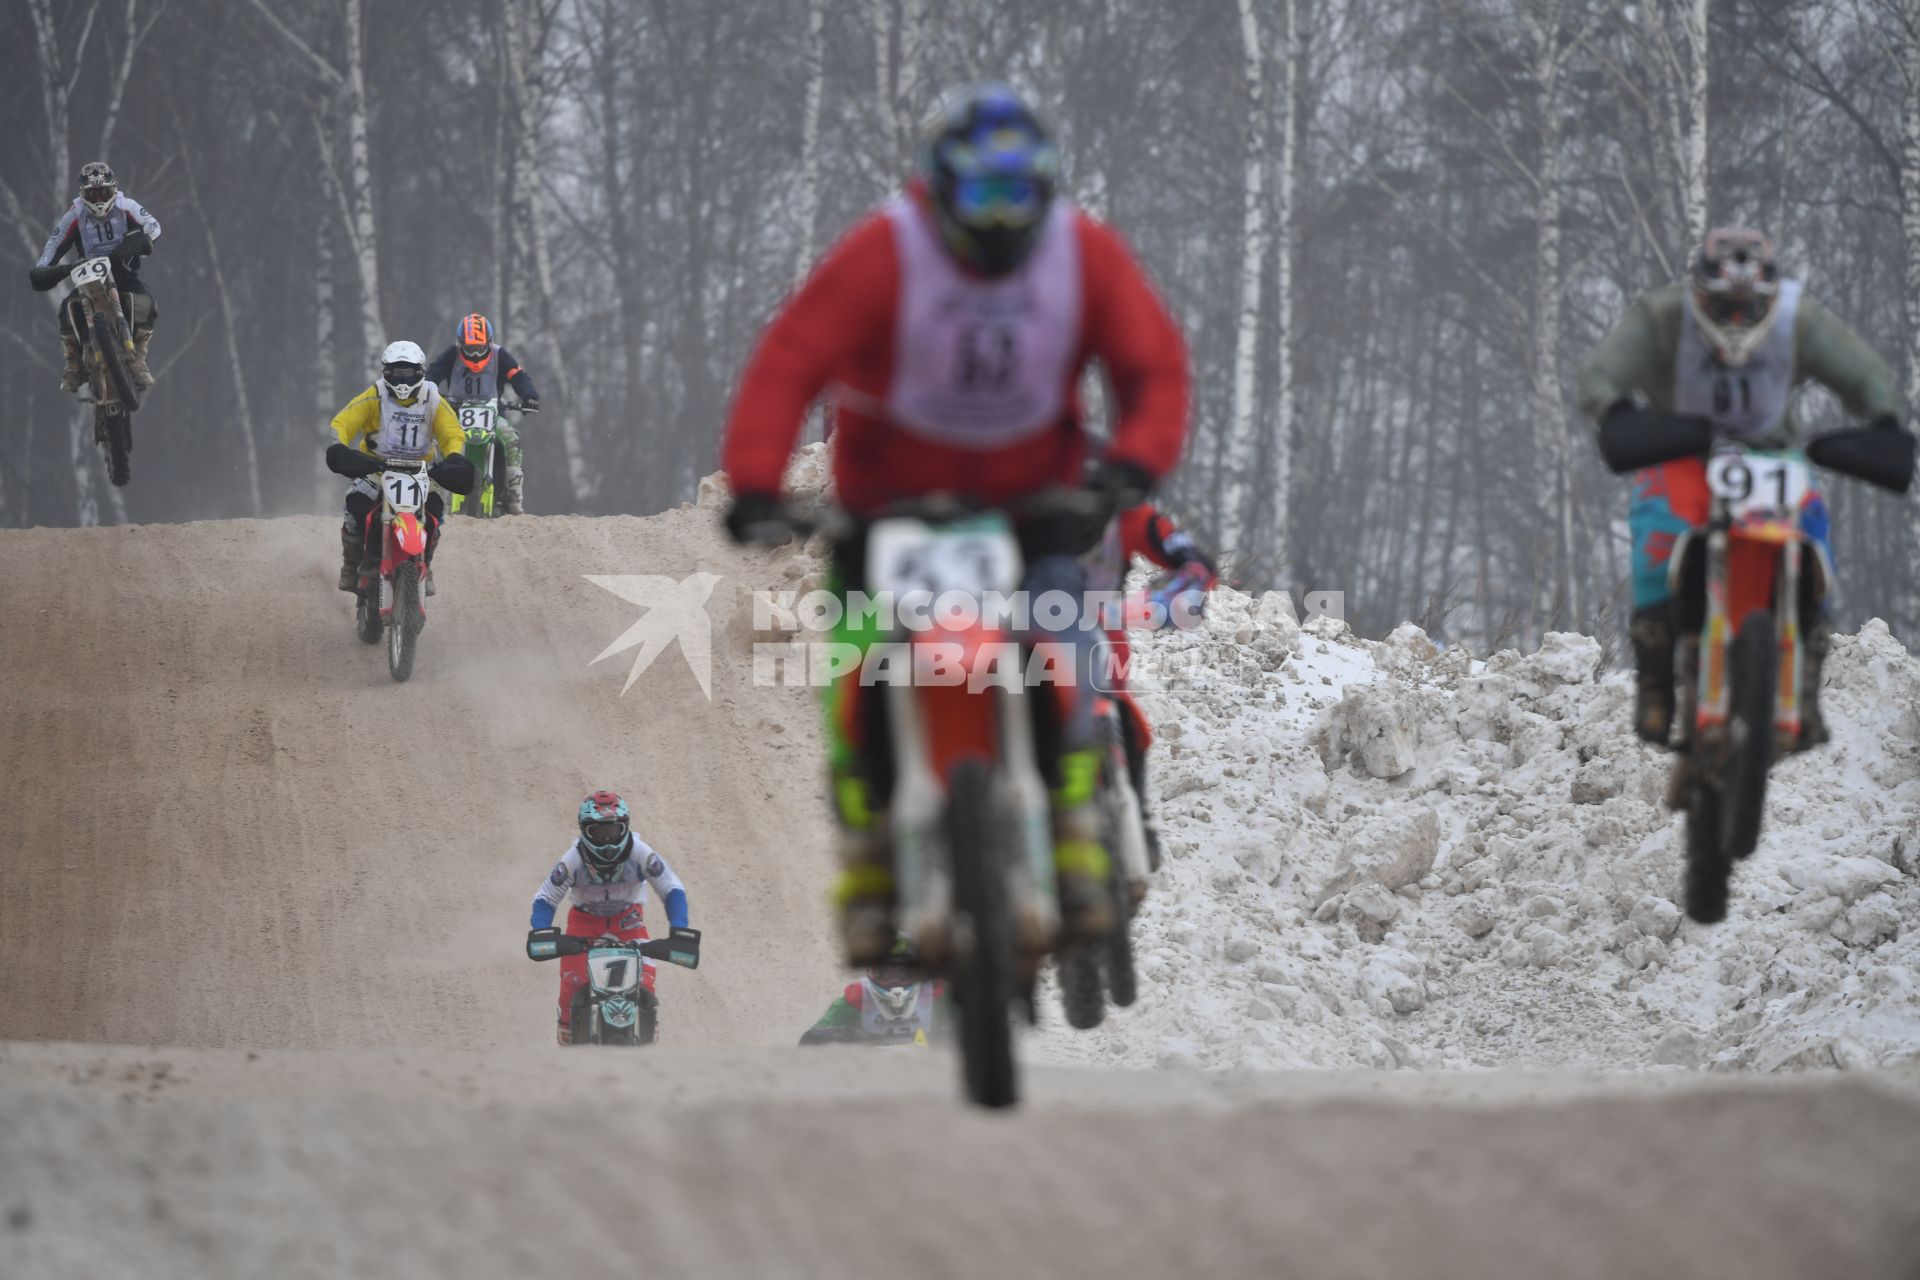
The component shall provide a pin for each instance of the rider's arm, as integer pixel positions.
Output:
(1150, 532)
(138, 216)
(446, 429)
(664, 882)
(843, 308)
(553, 891)
(360, 419)
(1135, 337)
(440, 369)
(516, 377)
(1832, 354)
(1636, 356)
(65, 235)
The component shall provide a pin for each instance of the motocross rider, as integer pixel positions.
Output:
(1179, 601)
(400, 416)
(892, 1003)
(606, 870)
(1720, 354)
(476, 367)
(954, 323)
(103, 221)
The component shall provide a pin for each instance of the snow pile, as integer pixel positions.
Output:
(1386, 854)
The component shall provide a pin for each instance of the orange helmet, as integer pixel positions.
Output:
(475, 337)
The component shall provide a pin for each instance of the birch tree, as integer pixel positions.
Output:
(1242, 444)
(1279, 479)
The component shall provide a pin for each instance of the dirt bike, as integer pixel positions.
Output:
(97, 315)
(969, 822)
(890, 1016)
(478, 419)
(613, 1008)
(1092, 973)
(1745, 585)
(391, 602)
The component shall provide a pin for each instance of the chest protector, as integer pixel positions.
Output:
(406, 430)
(464, 384)
(1749, 402)
(979, 363)
(99, 236)
(875, 1022)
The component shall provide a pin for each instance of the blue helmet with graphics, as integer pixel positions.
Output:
(991, 171)
(606, 833)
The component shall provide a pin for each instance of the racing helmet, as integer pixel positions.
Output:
(990, 172)
(606, 833)
(403, 368)
(474, 336)
(1731, 287)
(98, 187)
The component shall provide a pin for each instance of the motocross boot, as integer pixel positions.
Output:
(1813, 725)
(1652, 632)
(516, 486)
(73, 376)
(1082, 869)
(137, 367)
(352, 548)
(433, 541)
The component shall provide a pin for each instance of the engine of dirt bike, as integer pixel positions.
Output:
(479, 421)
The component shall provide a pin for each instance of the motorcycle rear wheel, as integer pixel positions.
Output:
(1707, 863)
(403, 628)
(118, 429)
(1083, 996)
(106, 349)
(984, 979)
(1123, 985)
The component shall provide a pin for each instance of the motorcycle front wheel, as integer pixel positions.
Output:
(118, 430)
(403, 627)
(1755, 667)
(984, 977)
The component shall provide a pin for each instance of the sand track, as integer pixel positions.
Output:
(224, 831)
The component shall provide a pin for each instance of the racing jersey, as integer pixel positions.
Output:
(626, 888)
(79, 229)
(499, 371)
(374, 423)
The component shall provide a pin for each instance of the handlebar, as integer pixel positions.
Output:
(1636, 438)
(811, 516)
(681, 946)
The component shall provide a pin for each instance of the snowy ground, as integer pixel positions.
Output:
(1385, 855)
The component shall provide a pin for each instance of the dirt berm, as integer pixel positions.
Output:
(265, 1009)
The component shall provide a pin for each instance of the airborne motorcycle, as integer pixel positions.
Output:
(1746, 585)
(96, 312)
(613, 1008)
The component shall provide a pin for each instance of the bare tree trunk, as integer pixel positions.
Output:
(810, 136)
(1558, 591)
(366, 247)
(1695, 15)
(234, 363)
(527, 82)
(326, 362)
(1243, 445)
(1909, 21)
(1279, 489)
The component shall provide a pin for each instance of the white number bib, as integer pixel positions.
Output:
(477, 418)
(405, 490)
(910, 557)
(613, 969)
(1758, 485)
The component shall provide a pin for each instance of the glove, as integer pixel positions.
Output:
(1881, 457)
(45, 278)
(345, 460)
(1632, 437)
(1124, 484)
(541, 943)
(757, 519)
(136, 243)
(455, 474)
(530, 406)
(1183, 600)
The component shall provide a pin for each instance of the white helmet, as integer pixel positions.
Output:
(403, 367)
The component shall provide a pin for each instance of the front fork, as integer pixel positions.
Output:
(1717, 633)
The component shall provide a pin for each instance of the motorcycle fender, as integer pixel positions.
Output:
(409, 533)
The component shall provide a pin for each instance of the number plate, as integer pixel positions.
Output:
(405, 490)
(1758, 485)
(477, 419)
(973, 557)
(613, 969)
(93, 270)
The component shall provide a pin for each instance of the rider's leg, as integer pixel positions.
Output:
(435, 519)
(353, 537)
(1667, 501)
(74, 375)
(140, 315)
(1816, 630)
(509, 438)
(1070, 757)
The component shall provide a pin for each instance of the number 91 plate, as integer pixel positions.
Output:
(1759, 484)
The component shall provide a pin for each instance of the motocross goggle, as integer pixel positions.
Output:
(892, 977)
(403, 379)
(610, 834)
(98, 196)
(986, 202)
